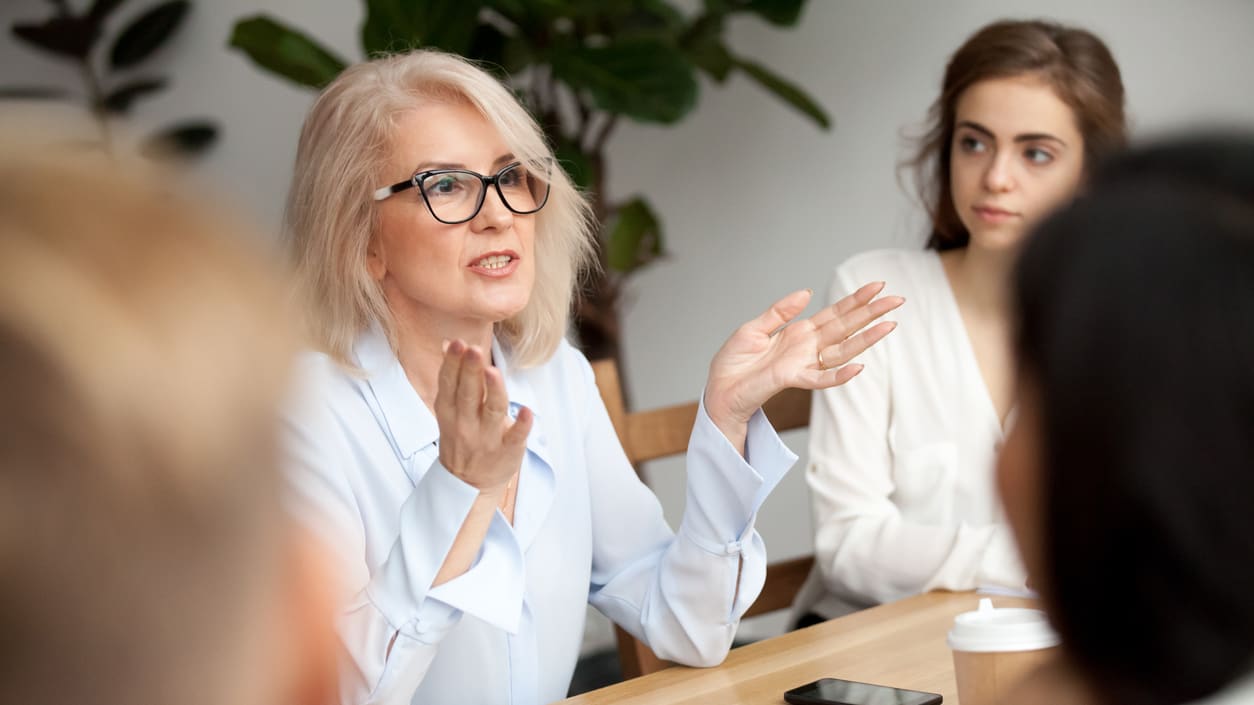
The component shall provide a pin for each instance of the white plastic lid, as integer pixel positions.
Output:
(1001, 629)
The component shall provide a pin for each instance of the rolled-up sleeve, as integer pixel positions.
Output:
(681, 593)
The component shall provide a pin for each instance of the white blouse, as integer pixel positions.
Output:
(366, 476)
(902, 457)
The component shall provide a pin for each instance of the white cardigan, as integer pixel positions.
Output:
(902, 457)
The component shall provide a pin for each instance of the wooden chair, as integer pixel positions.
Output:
(659, 433)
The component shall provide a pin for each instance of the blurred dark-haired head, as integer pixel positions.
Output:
(1129, 478)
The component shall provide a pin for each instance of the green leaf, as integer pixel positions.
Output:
(635, 237)
(147, 33)
(646, 80)
(713, 59)
(120, 99)
(702, 42)
(31, 93)
(73, 37)
(781, 13)
(786, 91)
(501, 53)
(286, 52)
(641, 18)
(186, 139)
(399, 25)
(576, 163)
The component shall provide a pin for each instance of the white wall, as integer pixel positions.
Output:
(756, 202)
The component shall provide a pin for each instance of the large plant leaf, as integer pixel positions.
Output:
(147, 33)
(786, 91)
(702, 42)
(398, 25)
(286, 51)
(186, 139)
(635, 237)
(73, 37)
(576, 162)
(120, 99)
(646, 80)
(653, 19)
(501, 53)
(782, 13)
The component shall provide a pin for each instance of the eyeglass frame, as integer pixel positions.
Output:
(416, 181)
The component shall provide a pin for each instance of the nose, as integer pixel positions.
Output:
(998, 177)
(493, 215)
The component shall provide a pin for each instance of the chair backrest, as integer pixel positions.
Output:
(658, 433)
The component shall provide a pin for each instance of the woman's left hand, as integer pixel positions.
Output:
(767, 355)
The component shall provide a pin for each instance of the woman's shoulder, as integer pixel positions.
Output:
(906, 272)
(564, 375)
(319, 381)
(567, 364)
(881, 264)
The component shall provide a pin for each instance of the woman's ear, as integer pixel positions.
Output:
(376, 265)
(309, 642)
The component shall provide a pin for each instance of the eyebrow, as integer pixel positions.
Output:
(426, 166)
(1025, 137)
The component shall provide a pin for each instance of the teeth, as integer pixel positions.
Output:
(494, 262)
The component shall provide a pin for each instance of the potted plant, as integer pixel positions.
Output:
(114, 80)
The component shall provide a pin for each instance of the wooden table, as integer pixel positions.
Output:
(900, 644)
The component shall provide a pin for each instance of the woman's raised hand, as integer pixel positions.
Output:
(772, 352)
(479, 443)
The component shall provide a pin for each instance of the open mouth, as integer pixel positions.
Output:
(494, 262)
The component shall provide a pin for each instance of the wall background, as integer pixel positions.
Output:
(756, 202)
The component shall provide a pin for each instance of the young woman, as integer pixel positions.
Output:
(1128, 477)
(901, 462)
(455, 448)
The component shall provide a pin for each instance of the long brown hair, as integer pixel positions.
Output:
(1074, 62)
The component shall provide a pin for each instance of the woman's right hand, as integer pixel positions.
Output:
(479, 443)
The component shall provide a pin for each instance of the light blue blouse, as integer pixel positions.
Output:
(365, 475)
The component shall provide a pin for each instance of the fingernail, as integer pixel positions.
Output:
(444, 345)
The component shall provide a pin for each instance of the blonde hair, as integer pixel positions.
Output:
(331, 217)
(142, 357)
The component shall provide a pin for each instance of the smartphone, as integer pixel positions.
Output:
(834, 691)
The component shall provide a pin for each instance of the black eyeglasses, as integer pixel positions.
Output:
(456, 195)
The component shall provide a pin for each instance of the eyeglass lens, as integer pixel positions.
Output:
(456, 196)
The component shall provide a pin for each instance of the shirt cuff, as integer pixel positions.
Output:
(725, 489)
(429, 522)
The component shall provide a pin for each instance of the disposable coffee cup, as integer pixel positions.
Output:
(994, 648)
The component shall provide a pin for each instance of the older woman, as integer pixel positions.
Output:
(454, 446)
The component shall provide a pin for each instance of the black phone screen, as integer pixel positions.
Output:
(834, 691)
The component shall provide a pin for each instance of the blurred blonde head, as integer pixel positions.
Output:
(143, 356)
(331, 215)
